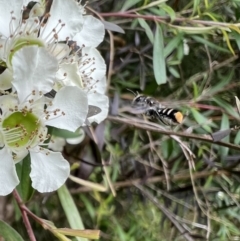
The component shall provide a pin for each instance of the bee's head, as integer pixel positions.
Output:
(139, 101)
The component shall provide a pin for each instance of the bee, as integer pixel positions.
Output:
(154, 110)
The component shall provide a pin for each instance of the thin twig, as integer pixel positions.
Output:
(164, 163)
(24, 215)
(104, 166)
(157, 179)
(167, 19)
(148, 126)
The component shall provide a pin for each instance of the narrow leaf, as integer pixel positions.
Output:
(209, 44)
(86, 183)
(8, 233)
(228, 41)
(170, 11)
(112, 27)
(195, 6)
(219, 135)
(227, 107)
(236, 36)
(25, 187)
(201, 120)
(128, 4)
(173, 44)
(174, 72)
(159, 65)
(147, 29)
(91, 234)
(64, 133)
(224, 125)
(70, 210)
(194, 30)
(238, 104)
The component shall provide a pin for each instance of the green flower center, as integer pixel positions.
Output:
(20, 129)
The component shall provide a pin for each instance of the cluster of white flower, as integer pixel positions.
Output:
(46, 51)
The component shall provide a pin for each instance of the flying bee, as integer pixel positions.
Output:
(153, 109)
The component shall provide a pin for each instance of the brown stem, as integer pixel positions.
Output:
(24, 215)
(167, 19)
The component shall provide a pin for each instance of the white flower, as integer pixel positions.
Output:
(87, 70)
(23, 130)
(25, 117)
(65, 22)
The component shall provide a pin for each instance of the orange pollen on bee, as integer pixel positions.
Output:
(179, 117)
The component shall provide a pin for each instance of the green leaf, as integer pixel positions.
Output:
(180, 52)
(237, 138)
(194, 30)
(195, 6)
(8, 233)
(210, 44)
(227, 107)
(227, 39)
(224, 126)
(237, 104)
(64, 133)
(128, 4)
(195, 90)
(173, 44)
(147, 29)
(174, 72)
(201, 120)
(159, 65)
(25, 186)
(236, 36)
(70, 210)
(219, 86)
(169, 10)
(112, 27)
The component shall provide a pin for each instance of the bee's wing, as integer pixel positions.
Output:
(138, 110)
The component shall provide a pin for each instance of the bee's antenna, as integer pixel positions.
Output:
(132, 92)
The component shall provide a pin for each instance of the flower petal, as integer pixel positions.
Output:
(7, 102)
(9, 22)
(70, 15)
(73, 102)
(33, 69)
(93, 72)
(60, 51)
(4, 44)
(100, 101)
(19, 154)
(57, 143)
(49, 170)
(68, 75)
(8, 176)
(92, 33)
